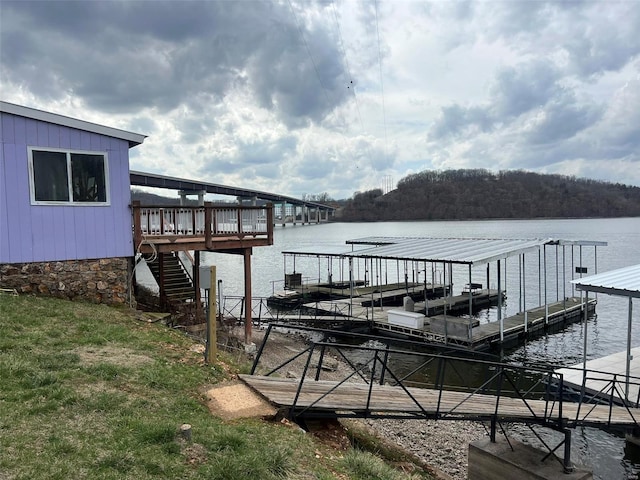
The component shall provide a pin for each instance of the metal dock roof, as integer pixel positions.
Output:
(451, 250)
(624, 282)
(468, 251)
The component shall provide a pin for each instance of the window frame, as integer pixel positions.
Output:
(68, 152)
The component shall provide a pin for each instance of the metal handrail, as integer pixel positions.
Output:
(504, 380)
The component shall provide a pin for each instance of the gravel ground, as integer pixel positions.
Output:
(442, 444)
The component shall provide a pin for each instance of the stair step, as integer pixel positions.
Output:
(178, 286)
(177, 279)
(179, 297)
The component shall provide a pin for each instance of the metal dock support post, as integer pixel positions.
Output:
(567, 465)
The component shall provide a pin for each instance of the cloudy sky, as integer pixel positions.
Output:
(304, 97)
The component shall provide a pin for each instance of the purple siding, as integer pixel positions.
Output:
(33, 233)
(4, 214)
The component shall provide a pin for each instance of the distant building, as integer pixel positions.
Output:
(65, 218)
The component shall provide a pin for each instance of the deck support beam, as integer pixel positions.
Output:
(585, 305)
(567, 465)
(626, 390)
(500, 306)
(248, 321)
(161, 286)
(196, 283)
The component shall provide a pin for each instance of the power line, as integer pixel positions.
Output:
(384, 115)
(351, 86)
(304, 40)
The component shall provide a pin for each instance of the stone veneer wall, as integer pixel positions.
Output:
(102, 280)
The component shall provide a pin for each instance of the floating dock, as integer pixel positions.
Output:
(600, 375)
(367, 296)
(461, 331)
(458, 304)
(395, 294)
(438, 261)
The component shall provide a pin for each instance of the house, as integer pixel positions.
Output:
(65, 217)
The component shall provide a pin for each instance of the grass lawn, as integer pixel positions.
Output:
(88, 391)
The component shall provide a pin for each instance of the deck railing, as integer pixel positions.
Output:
(207, 222)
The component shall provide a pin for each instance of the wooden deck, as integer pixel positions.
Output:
(360, 399)
(232, 229)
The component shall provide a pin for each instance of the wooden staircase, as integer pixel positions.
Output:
(176, 285)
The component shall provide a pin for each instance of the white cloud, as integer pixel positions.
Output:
(305, 97)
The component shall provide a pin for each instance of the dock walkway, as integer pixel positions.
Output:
(322, 397)
(373, 383)
(484, 336)
(601, 372)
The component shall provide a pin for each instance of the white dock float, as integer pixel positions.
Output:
(601, 371)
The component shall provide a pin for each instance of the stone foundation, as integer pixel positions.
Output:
(102, 280)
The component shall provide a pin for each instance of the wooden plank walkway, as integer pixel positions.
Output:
(352, 399)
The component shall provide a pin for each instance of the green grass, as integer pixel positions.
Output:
(87, 391)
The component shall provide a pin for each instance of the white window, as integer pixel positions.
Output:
(68, 177)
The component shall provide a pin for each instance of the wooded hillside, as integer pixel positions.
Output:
(479, 194)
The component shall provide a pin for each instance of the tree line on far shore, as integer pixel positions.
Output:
(481, 194)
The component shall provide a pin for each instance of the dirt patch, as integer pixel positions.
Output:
(194, 453)
(330, 432)
(236, 400)
(120, 356)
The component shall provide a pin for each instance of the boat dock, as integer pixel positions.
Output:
(452, 305)
(395, 293)
(601, 371)
(452, 330)
(480, 337)
(458, 304)
(429, 266)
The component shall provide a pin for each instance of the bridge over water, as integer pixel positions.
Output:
(286, 209)
(387, 378)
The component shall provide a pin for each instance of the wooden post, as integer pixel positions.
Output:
(137, 225)
(163, 302)
(240, 213)
(270, 223)
(500, 306)
(208, 206)
(247, 295)
(212, 323)
(185, 432)
(196, 283)
(627, 380)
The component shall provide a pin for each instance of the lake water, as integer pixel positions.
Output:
(606, 454)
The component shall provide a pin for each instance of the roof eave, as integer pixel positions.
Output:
(134, 139)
